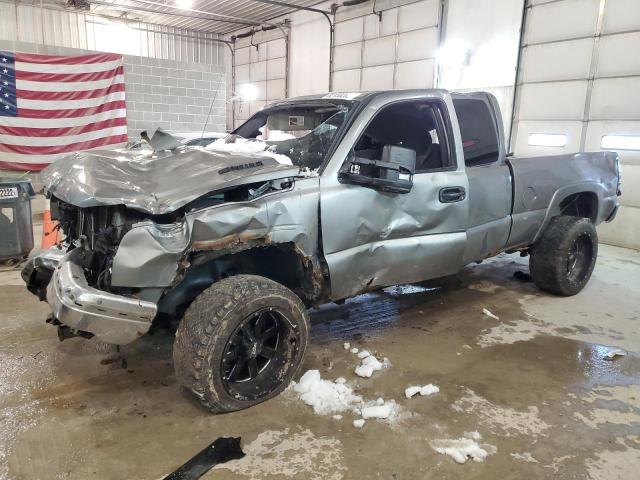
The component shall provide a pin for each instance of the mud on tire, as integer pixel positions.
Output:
(232, 320)
(562, 261)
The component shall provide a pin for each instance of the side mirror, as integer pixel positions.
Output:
(392, 173)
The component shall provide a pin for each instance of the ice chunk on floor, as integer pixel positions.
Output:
(364, 371)
(359, 423)
(337, 417)
(364, 354)
(411, 391)
(341, 380)
(354, 350)
(464, 448)
(377, 411)
(425, 390)
(326, 397)
(489, 314)
(346, 345)
(611, 354)
(429, 389)
(369, 365)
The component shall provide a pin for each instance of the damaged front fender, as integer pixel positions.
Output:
(153, 255)
(148, 254)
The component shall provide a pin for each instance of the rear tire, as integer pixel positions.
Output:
(240, 342)
(562, 261)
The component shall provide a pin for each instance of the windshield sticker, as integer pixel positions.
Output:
(296, 120)
(343, 95)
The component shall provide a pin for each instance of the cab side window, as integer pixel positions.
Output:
(478, 130)
(417, 125)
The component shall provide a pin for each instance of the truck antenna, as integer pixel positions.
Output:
(213, 100)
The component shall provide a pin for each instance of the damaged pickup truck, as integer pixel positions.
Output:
(311, 200)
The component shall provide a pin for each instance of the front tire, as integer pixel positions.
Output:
(562, 261)
(240, 342)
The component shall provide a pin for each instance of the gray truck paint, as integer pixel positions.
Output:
(367, 238)
(155, 183)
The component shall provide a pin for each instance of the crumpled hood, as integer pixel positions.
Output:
(158, 183)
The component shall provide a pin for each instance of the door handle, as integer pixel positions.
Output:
(452, 194)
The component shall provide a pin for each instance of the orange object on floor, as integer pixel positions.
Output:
(50, 231)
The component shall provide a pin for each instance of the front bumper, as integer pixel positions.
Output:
(86, 310)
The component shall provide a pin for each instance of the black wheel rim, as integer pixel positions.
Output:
(579, 259)
(255, 352)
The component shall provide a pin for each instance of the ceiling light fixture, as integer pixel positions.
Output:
(184, 4)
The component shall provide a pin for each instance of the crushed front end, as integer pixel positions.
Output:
(75, 276)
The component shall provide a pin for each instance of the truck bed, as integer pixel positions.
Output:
(544, 186)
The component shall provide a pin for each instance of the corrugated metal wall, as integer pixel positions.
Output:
(44, 26)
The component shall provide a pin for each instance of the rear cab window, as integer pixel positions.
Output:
(480, 141)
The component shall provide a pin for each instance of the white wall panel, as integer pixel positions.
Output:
(261, 60)
(614, 58)
(346, 80)
(261, 88)
(276, 48)
(616, 99)
(553, 101)
(277, 68)
(255, 107)
(621, 15)
(562, 20)
(608, 93)
(623, 231)
(377, 78)
(309, 53)
(418, 44)
(417, 74)
(630, 181)
(258, 54)
(243, 74)
(275, 89)
(572, 130)
(243, 55)
(379, 51)
(347, 56)
(258, 71)
(374, 28)
(405, 33)
(557, 61)
(599, 128)
(418, 15)
(349, 31)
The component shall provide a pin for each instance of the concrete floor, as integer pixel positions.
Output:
(534, 384)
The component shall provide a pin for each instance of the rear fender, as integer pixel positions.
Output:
(604, 204)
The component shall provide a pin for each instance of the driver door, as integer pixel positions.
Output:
(373, 238)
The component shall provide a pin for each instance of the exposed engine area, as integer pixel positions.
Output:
(98, 232)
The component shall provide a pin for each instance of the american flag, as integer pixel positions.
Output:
(51, 106)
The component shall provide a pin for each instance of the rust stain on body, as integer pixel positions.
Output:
(230, 241)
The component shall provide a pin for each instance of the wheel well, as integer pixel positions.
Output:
(282, 263)
(583, 204)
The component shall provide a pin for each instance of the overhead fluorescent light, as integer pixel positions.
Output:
(453, 55)
(184, 4)
(248, 92)
(620, 142)
(547, 139)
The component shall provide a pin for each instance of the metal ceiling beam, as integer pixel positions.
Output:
(220, 17)
(295, 7)
(198, 13)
